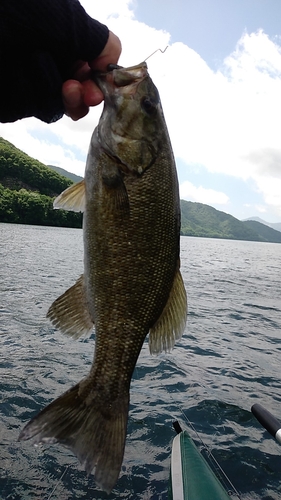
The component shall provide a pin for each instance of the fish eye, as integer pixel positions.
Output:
(148, 105)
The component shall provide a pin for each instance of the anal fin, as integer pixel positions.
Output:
(170, 326)
(69, 312)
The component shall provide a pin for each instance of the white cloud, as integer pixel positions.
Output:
(270, 187)
(216, 119)
(202, 195)
(261, 209)
(255, 57)
(229, 121)
(107, 9)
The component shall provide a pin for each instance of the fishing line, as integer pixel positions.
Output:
(205, 447)
(157, 50)
(57, 483)
(210, 454)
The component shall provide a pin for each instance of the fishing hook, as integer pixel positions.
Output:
(157, 51)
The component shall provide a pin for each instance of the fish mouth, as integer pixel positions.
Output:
(117, 77)
(119, 131)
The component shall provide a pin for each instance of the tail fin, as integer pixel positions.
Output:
(95, 432)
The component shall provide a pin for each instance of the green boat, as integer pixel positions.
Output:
(191, 476)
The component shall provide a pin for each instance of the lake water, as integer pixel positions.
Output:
(228, 359)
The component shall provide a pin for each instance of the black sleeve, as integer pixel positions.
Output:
(40, 40)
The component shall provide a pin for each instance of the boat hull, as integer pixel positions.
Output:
(191, 476)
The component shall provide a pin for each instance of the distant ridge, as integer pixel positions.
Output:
(202, 220)
(65, 173)
(266, 232)
(273, 225)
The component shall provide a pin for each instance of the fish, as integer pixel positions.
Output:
(132, 285)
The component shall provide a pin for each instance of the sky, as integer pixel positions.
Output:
(220, 87)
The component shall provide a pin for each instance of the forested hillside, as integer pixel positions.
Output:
(268, 233)
(205, 221)
(27, 190)
(65, 173)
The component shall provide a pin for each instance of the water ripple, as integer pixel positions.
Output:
(228, 359)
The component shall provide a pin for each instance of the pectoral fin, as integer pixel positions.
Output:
(69, 312)
(170, 326)
(73, 198)
(114, 184)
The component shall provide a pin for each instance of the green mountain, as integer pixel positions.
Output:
(273, 225)
(205, 221)
(27, 190)
(264, 231)
(65, 173)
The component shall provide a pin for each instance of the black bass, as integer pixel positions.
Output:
(132, 284)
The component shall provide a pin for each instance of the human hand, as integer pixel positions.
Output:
(81, 92)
